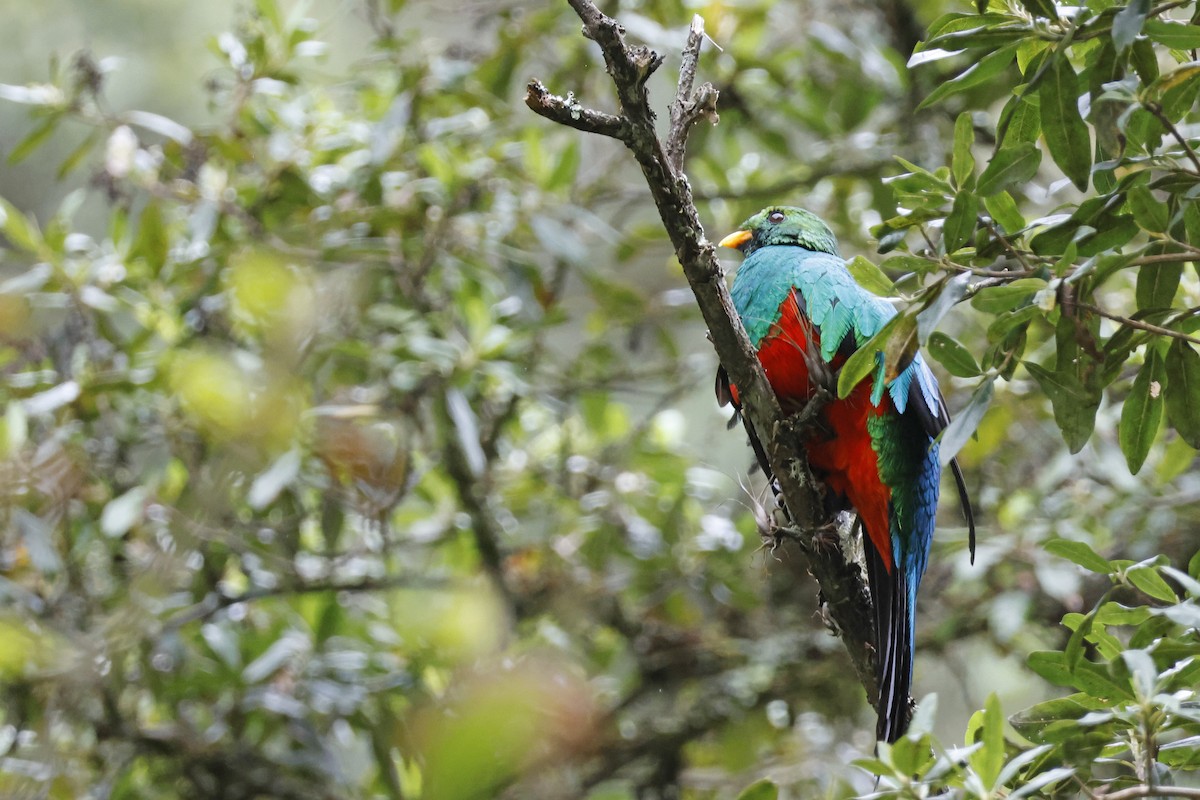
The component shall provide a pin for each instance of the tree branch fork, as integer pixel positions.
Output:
(848, 605)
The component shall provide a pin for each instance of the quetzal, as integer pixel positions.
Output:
(876, 450)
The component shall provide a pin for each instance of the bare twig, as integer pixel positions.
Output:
(688, 108)
(567, 111)
(629, 66)
(1136, 323)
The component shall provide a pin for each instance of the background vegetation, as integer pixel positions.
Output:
(358, 438)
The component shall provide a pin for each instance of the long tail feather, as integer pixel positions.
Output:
(894, 636)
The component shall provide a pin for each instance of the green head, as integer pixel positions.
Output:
(783, 225)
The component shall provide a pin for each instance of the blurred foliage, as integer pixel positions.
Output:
(346, 458)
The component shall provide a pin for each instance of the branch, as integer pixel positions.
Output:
(688, 108)
(841, 581)
(567, 111)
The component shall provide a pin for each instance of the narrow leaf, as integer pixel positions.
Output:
(963, 426)
(1150, 213)
(1176, 35)
(1063, 128)
(1183, 391)
(1143, 410)
(1157, 285)
(34, 140)
(880, 354)
(980, 72)
(960, 224)
(1074, 405)
(957, 359)
(1011, 165)
(1079, 552)
(963, 161)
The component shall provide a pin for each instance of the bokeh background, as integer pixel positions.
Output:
(360, 438)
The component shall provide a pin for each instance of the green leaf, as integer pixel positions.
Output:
(980, 72)
(957, 359)
(1063, 128)
(1150, 213)
(1143, 410)
(1157, 285)
(963, 161)
(1037, 717)
(1074, 405)
(76, 156)
(1051, 665)
(1176, 35)
(1041, 8)
(963, 426)
(995, 299)
(1080, 553)
(960, 224)
(1183, 391)
(989, 759)
(1011, 165)
(870, 277)
(1003, 210)
(21, 231)
(34, 139)
(1127, 24)
(1146, 578)
(764, 789)
(893, 345)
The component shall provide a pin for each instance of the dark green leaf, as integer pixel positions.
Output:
(1079, 552)
(1074, 405)
(1150, 213)
(1010, 166)
(1143, 410)
(1041, 8)
(957, 359)
(960, 224)
(963, 161)
(1183, 391)
(981, 71)
(1051, 665)
(1063, 128)
(1157, 285)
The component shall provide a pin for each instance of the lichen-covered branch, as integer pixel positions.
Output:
(842, 585)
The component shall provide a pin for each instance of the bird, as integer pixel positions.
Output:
(876, 450)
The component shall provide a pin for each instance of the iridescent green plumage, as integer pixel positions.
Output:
(804, 312)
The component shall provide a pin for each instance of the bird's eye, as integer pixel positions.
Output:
(775, 217)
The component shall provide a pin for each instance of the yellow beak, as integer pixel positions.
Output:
(735, 239)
